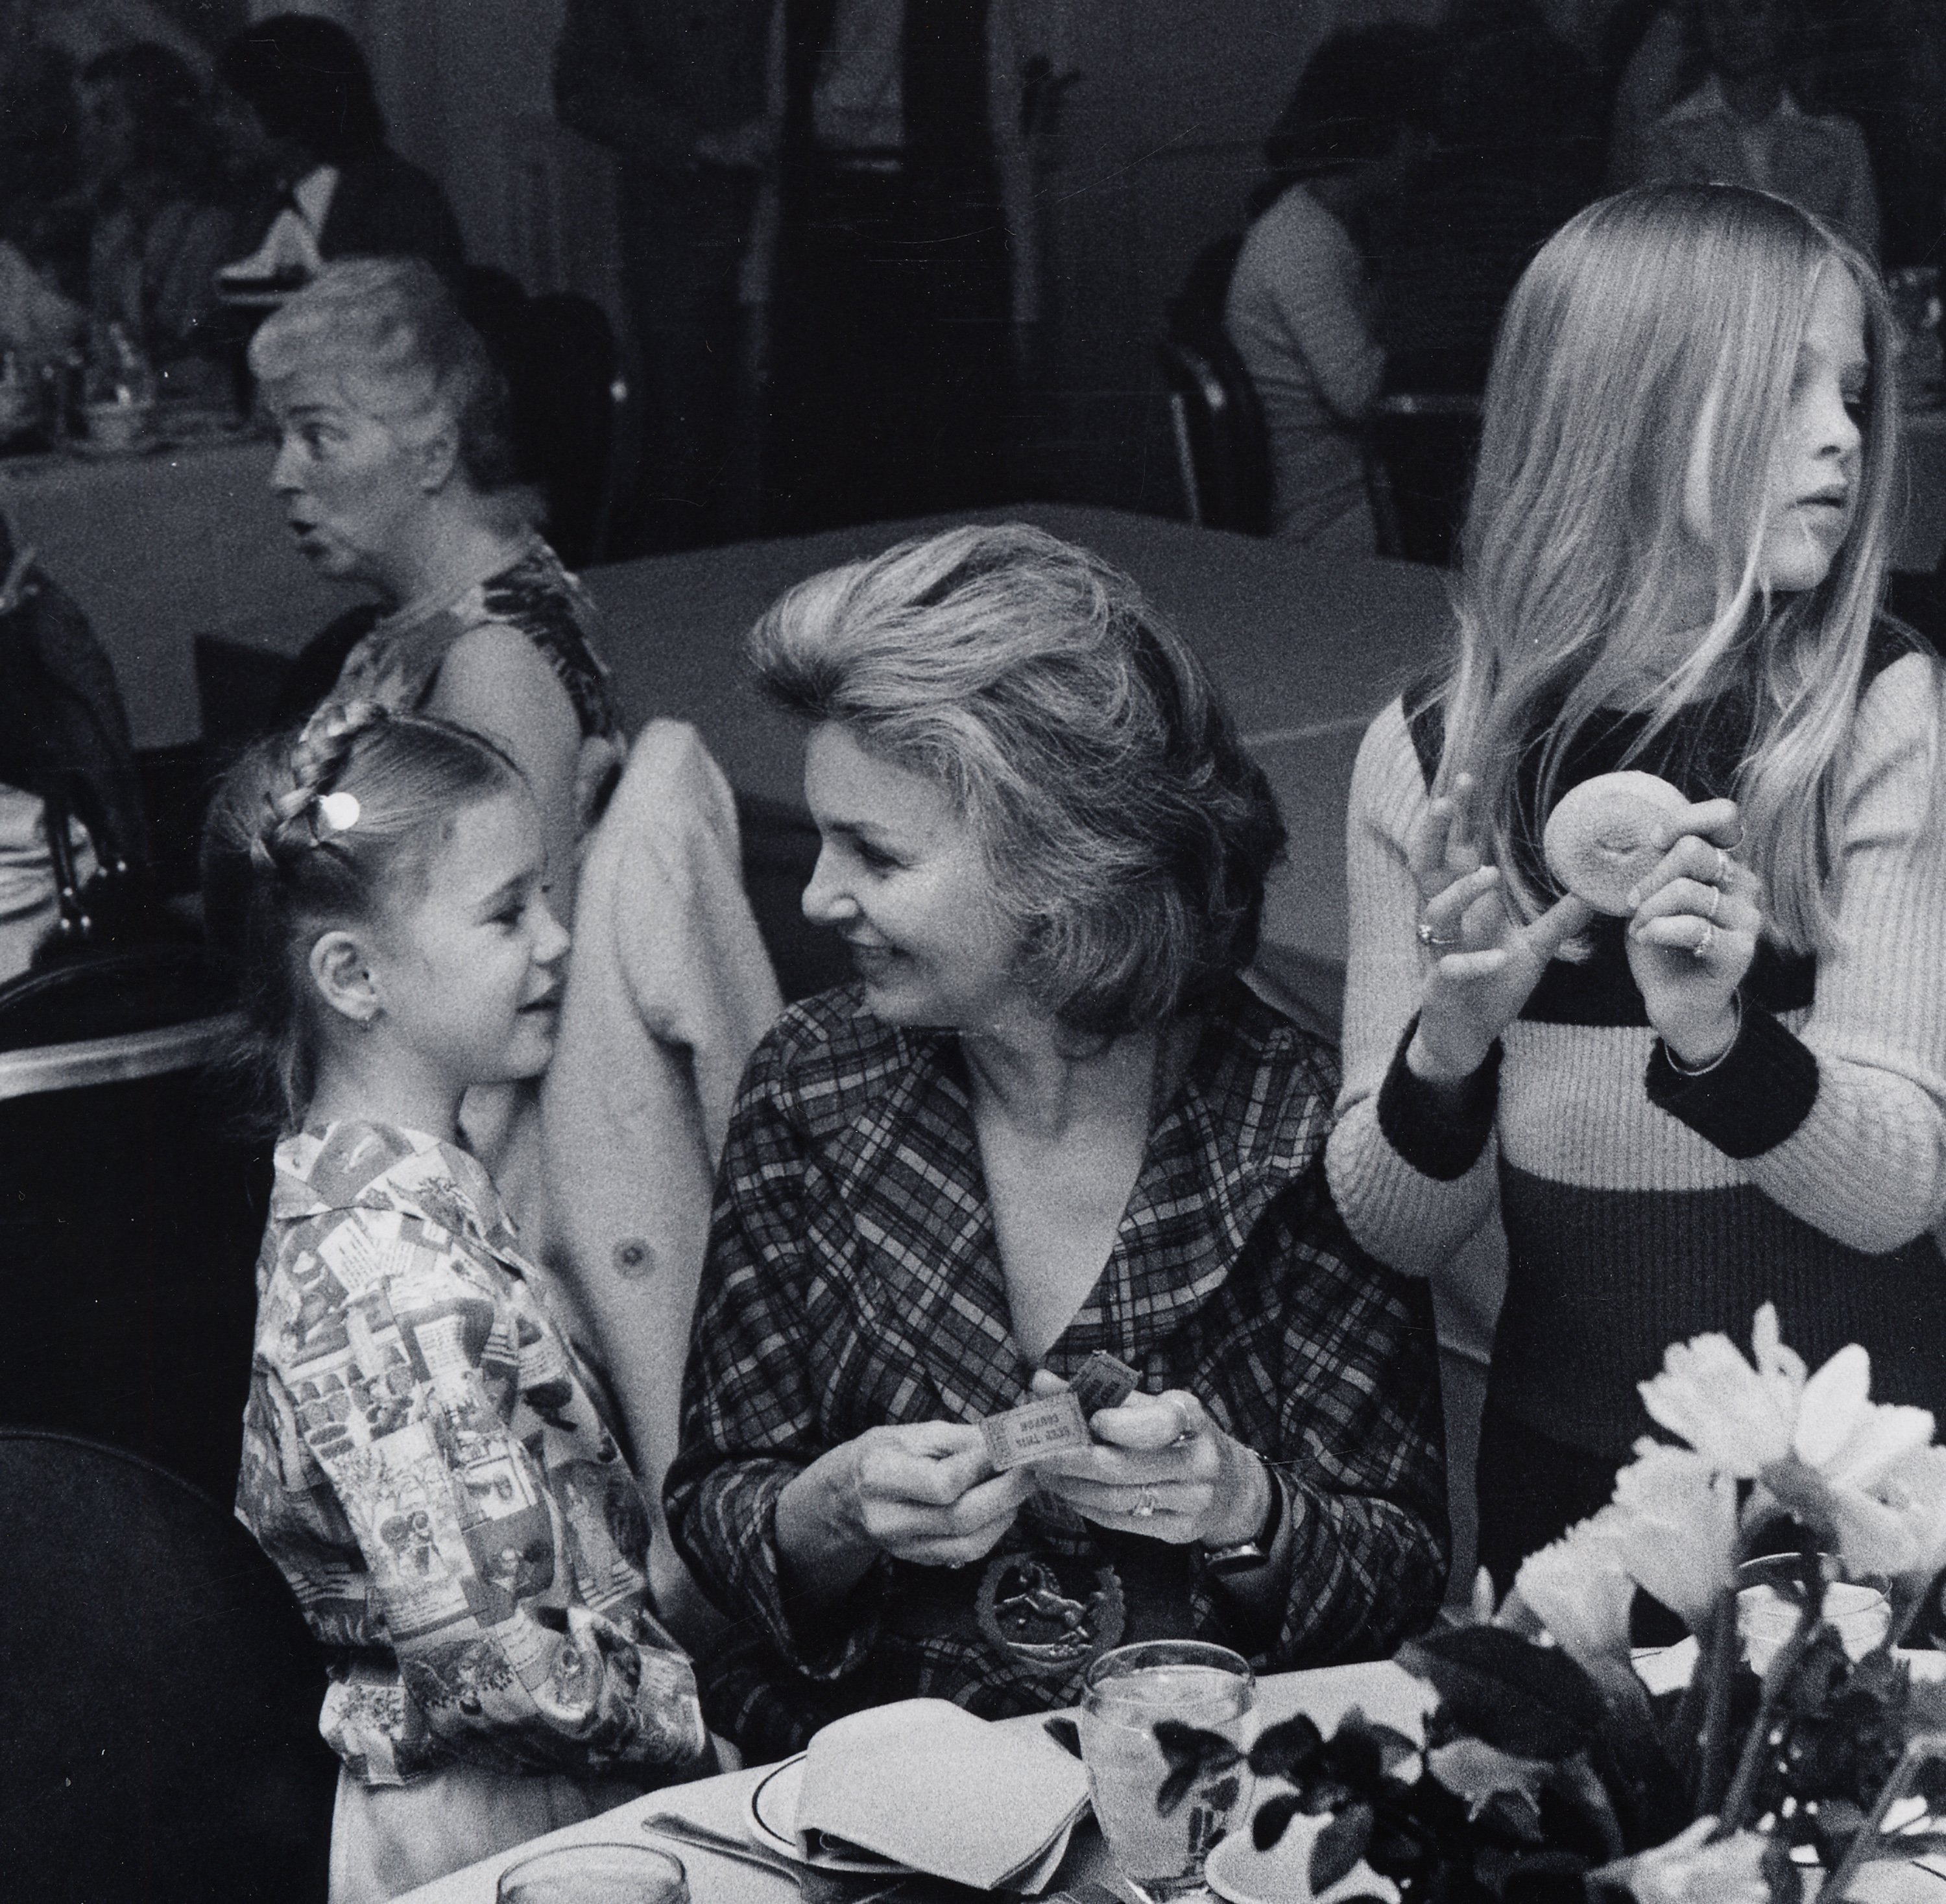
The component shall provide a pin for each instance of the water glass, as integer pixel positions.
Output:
(1162, 1803)
(595, 1873)
(1858, 1609)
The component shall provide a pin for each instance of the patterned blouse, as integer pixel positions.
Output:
(424, 1462)
(853, 1279)
(398, 661)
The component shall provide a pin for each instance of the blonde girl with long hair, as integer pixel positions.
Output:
(1673, 561)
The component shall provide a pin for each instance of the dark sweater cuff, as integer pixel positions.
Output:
(1440, 1136)
(1750, 1101)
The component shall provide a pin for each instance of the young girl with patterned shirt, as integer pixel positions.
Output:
(423, 1457)
(1673, 561)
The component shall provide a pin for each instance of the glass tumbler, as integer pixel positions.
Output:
(1164, 1726)
(595, 1873)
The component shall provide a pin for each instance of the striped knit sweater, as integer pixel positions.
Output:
(1640, 1206)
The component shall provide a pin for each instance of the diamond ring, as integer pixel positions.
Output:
(1427, 937)
(1708, 939)
(1145, 1505)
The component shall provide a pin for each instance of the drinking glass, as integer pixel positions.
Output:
(1856, 1607)
(595, 1873)
(1162, 1802)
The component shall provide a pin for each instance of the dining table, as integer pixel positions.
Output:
(1383, 1691)
(717, 1808)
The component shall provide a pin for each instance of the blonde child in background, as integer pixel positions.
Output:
(423, 1457)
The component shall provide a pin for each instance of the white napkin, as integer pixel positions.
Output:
(925, 1783)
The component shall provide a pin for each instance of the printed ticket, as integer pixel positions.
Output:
(1035, 1430)
(1103, 1381)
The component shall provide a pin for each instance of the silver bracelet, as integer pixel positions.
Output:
(1682, 1070)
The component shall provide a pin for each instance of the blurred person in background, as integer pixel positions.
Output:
(1743, 125)
(301, 107)
(1518, 151)
(1301, 309)
(159, 226)
(906, 281)
(678, 93)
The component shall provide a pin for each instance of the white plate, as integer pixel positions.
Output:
(1239, 1874)
(771, 1811)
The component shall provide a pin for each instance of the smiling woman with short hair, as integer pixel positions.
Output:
(1049, 1119)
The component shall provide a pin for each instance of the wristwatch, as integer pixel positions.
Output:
(1242, 1556)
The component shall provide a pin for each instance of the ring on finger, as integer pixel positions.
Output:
(1720, 878)
(1186, 1432)
(1716, 903)
(1708, 939)
(1145, 1505)
(1427, 936)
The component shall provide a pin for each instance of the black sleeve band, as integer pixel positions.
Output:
(1439, 1131)
(1750, 1101)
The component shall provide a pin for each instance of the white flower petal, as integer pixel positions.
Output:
(1833, 1405)
(1581, 1592)
(1713, 1398)
(1674, 1521)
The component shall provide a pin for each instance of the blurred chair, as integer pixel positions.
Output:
(159, 1708)
(1222, 448)
(1419, 448)
(131, 1210)
(1222, 452)
(562, 368)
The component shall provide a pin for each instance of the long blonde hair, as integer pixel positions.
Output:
(1665, 314)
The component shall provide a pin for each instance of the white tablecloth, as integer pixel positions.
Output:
(1384, 1691)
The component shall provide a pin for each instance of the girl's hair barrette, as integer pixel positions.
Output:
(336, 813)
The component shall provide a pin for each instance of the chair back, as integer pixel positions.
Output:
(566, 392)
(568, 396)
(131, 1212)
(1222, 450)
(158, 1707)
(1419, 450)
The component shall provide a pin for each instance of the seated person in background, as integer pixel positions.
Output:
(159, 227)
(395, 470)
(424, 1458)
(1742, 127)
(1518, 152)
(300, 100)
(1300, 310)
(1049, 1119)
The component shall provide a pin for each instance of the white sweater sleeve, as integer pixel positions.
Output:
(1866, 1160)
(1413, 1222)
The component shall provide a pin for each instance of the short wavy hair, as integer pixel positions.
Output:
(392, 332)
(1127, 831)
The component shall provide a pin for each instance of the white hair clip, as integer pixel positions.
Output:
(337, 813)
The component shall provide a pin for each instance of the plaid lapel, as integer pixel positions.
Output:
(908, 1171)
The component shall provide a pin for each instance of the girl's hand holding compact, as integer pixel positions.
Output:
(1693, 934)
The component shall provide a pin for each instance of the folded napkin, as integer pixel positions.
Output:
(925, 1783)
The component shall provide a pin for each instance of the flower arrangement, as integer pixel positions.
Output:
(1551, 1775)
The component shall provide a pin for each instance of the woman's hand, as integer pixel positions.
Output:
(922, 1491)
(1484, 963)
(1693, 934)
(1160, 1466)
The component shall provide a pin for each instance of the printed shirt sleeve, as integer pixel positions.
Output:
(1328, 1364)
(1843, 1122)
(1412, 1202)
(425, 1465)
(749, 1417)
